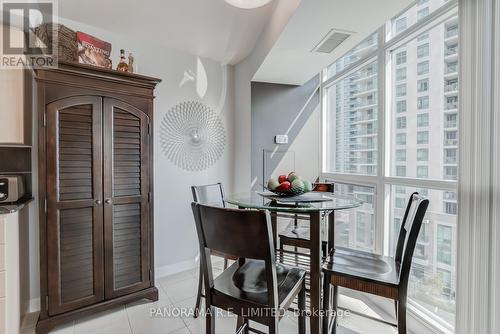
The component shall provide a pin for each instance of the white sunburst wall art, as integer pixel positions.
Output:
(192, 136)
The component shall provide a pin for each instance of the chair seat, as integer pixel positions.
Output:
(359, 265)
(249, 283)
(225, 256)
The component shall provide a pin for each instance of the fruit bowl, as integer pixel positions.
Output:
(289, 193)
(288, 185)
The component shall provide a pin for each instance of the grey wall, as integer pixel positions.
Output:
(284, 109)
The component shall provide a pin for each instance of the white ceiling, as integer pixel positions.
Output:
(290, 61)
(208, 28)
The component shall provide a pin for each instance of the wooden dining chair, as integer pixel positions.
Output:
(210, 194)
(375, 274)
(296, 236)
(253, 287)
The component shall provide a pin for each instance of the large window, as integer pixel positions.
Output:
(355, 228)
(352, 120)
(410, 80)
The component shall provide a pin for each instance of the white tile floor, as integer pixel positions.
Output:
(178, 292)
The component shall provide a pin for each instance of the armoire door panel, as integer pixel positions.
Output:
(126, 190)
(74, 191)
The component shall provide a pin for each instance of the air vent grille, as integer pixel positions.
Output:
(331, 41)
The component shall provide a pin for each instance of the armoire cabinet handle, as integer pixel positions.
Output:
(98, 202)
(108, 201)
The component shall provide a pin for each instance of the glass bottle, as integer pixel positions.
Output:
(122, 65)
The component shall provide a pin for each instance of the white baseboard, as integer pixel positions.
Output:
(176, 268)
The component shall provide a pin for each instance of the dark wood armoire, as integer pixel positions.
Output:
(95, 173)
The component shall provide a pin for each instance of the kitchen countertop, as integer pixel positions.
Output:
(6, 208)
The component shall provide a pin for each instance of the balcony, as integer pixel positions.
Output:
(451, 88)
(423, 262)
(451, 32)
(451, 69)
(450, 160)
(362, 133)
(450, 196)
(362, 148)
(451, 53)
(450, 124)
(450, 142)
(425, 241)
(451, 106)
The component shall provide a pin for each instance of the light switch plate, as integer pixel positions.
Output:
(281, 139)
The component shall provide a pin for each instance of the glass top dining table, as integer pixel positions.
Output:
(315, 205)
(310, 202)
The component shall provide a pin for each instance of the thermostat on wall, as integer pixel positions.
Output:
(281, 139)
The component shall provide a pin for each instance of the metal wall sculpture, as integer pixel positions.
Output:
(192, 136)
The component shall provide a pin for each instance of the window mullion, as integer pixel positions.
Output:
(380, 232)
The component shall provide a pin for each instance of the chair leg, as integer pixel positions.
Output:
(326, 303)
(247, 328)
(281, 248)
(240, 322)
(396, 308)
(274, 326)
(402, 316)
(225, 263)
(198, 296)
(334, 307)
(302, 308)
(210, 320)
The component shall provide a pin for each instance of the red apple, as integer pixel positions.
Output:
(282, 178)
(285, 186)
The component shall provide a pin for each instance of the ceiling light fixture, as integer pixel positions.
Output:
(248, 4)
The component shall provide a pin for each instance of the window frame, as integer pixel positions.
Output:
(383, 181)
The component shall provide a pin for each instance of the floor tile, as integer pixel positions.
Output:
(223, 324)
(64, 329)
(188, 305)
(175, 278)
(108, 322)
(359, 324)
(183, 330)
(163, 300)
(152, 320)
(28, 330)
(181, 290)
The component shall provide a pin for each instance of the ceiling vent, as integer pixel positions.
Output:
(333, 39)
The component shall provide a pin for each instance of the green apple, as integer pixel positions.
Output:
(292, 176)
(297, 185)
(272, 184)
(307, 186)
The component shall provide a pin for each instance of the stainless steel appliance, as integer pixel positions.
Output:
(11, 188)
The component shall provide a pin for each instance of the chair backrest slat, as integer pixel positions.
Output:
(240, 233)
(408, 234)
(210, 194)
(323, 187)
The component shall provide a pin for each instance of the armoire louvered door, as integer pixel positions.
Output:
(74, 203)
(94, 189)
(126, 198)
